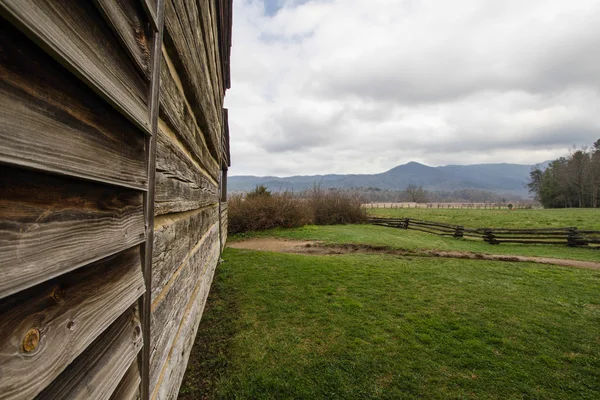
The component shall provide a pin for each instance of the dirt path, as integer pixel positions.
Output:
(319, 248)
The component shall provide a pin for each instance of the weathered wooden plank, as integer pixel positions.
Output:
(150, 7)
(223, 230)
(149, 199)
(214, 42)
(129, 387)
(127, 18)
(51, 225)
(177, 114)
(224, 22)
(96, 373)
(210, 47)
(77, 36)
(171, 375)
(169, 308)
(180, 183)
(51, 122)
(189, 14)
(175, 236)
(226, 147)
(47, 326)
(192, 70)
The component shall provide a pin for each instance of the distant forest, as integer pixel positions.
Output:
(572, 181)
(417, 194)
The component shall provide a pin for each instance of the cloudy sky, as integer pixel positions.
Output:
(360, 86)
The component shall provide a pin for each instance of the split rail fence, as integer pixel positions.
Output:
(570, 236)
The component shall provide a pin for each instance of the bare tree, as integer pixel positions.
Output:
(416, 193)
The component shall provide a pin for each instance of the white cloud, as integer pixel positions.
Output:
(354, 86)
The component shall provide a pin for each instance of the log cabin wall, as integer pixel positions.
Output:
(114, 149)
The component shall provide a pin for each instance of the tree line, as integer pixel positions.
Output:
(572, 181)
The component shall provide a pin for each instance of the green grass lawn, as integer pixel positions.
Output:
(415, 240)
(587, 218)
(283, 326)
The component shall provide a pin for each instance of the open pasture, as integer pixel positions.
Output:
(385, 325)
(410, 240)
(582, 218)
(377, 326)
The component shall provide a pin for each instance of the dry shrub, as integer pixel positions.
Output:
(331, 207)
(261, 210)
(256, 213)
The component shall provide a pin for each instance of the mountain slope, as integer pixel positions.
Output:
(499, 178)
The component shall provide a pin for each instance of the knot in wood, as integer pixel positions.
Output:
(31, 340)
(58, 294)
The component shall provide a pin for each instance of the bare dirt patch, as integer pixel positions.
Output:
(320, 248)
(274, 245)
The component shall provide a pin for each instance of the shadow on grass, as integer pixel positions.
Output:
(209, 357)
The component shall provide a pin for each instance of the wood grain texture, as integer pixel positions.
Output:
(223, 225)
(69, 312)
(211, 46)
(180, 184)
(226, 147)
(175, 236)
(78, 37)
(96, 373)
(51, 122)
(189, 14)
(188, 60)
(51, 225)
(214, 17)
(129, 387)
(177, 114)
(150, 7)
(128, 20)
(171, 375)
(224, 17)
(169, 309)
(149, 197)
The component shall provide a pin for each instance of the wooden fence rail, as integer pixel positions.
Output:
(570, 236)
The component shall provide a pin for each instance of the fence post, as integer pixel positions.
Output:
(489, 236)
(574, 238)
(459, 231)
(406, 223)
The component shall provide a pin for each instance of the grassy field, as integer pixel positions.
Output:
(415, 240)
(360, 326)
(587, 218)
(281, 326)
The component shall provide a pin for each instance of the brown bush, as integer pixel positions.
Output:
(332, 207)
(261, 210)
(256, 213)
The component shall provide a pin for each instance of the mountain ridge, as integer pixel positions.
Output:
(497, 177)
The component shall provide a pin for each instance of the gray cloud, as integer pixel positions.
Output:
(351, 86)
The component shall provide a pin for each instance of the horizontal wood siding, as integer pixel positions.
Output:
(113, 143)
(175, 238)
(189, 224)
(95, 55)
(181, 183)
(51, 122)
(173, 370)
(127, 20)
(51, 225)
(129, 387)
(46, 327)
(223, 225)
(190, 63)
(169, 308)
(178, 116)
(99, 370)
